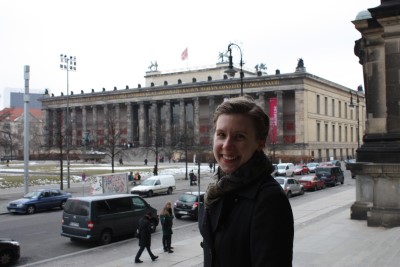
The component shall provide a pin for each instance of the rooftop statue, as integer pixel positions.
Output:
(300, 63)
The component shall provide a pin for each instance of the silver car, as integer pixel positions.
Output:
(290, 186)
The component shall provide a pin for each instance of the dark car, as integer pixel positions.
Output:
(42, 199)
(330, 174)
(101, 218)
(9, 251)
(188, 204)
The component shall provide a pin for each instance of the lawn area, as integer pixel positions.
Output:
(48, 172)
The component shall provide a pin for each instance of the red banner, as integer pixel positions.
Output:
(273, 116)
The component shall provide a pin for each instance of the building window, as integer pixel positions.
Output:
(318, 105)
(345, 110)
(346, 139)
(351, 134)
(326, 132)
(351, 114)
(340, 109)
(340, 133)
(333, 133)
(318, 132)
(333, 107)
(326, 106)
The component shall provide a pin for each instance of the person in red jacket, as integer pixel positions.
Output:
(246, 219)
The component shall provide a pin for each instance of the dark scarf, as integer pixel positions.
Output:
(245, 175)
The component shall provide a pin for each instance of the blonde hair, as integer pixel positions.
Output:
(165, 209)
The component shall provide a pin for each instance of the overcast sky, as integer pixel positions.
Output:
(116, 41)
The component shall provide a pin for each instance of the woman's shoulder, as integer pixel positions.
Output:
(269, 184)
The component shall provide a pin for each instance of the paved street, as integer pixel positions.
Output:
(324, 236)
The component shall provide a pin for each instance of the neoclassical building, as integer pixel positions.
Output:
(310, 117)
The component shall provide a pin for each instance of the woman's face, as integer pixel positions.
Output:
(235, 141)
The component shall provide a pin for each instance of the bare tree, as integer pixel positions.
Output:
(111, 139)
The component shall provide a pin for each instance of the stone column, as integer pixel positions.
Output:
(84, 121)
(261, 101)
(56, 129)
(117, 124)
(211, 110)
(73, 126)
(196, 121)
(46, 140)
(300, 118)
(107, 135)
(377, 169)
(168, 122)
(95, 125)
(154, 123)
(142, 130)
(129, 116)
(182, 117)
(65, 127)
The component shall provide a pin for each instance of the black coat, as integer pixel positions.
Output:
(250, 227)
(144, 232)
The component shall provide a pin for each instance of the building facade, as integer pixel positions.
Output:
(311, 118)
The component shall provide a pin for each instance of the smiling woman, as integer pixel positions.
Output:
(247, 219)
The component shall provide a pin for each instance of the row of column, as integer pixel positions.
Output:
(139, 123)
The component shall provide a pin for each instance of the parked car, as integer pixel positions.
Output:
(290, 186)
(330, 174)
(312, 182)
(274, 169)
(312, 165)
(188, 204)
(155, 185)
(301, 169)
(100, 218)
(9, 251)
(336, 163)
(42, 199)
(285, 169)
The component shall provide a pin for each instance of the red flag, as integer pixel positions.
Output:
(184, 54)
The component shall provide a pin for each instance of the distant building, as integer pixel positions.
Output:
(311, 118)
(14, 98)
(12, 132)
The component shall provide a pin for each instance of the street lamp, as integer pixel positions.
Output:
(231, 71)
(68, 64)
(352, 105)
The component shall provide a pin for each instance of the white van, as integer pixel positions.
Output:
(285, 169)
(155, 185)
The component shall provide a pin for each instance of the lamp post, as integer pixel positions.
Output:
(68, 64)
(352, 105)
(231, 71)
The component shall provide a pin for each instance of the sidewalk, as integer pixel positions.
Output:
(324, 236)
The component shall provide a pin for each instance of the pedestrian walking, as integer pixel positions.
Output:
(192, 178)
(145, 238)
(166, 219)
(155, 170)
(246, 219)
(145, 162)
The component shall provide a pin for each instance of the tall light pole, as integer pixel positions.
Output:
(231, 71)
(352, 105)
(68, 64)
